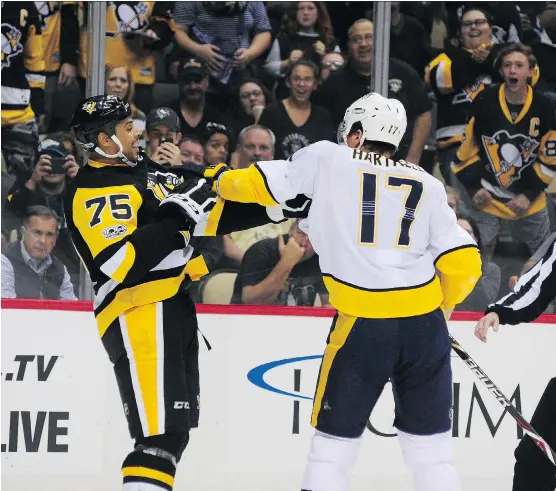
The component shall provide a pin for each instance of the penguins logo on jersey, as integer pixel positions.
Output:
(130, 17)
(468, 94)
(11, 43)
(509, 155)
(162, 184)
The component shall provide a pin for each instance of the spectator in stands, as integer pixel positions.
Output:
(220, 252)
(22, 85)
(216, 143)
(281, 271)
(345, 86)
(227, 36)
(438, 17)
(163, 136)
(544, 48)
(508, 156)
(60, 35)
(453, 199)
(46, 187)
(487, 288)
(192, 151)
(119, 82)
(256, 142)
(29, 269)
(505, 19)
(253, 97)
(409, 41)
(457, 76)
(134, 32)
(192, 107)
(295, 121)
(307, 33)
(330, 63)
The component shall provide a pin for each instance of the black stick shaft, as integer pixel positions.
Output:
(502, 399)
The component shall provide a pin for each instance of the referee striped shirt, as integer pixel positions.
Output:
(532, 293)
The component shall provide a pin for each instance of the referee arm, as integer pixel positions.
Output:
(531, 296)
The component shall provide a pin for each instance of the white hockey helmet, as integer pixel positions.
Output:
(382, 119)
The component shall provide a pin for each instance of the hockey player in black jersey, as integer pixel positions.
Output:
(131, 221)
(508, 156)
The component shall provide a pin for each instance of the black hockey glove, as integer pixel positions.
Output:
(192, 200)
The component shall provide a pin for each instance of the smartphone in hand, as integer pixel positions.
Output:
(57, 165)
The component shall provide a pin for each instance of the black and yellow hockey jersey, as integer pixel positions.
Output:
(456, 80)
(505, 155)
(60, 34)
(22, 63)
(125, 21)
(133, 258)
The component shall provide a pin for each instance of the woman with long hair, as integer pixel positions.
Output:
(118, 81)
(306, 33)
(295, 121)
(252, 98)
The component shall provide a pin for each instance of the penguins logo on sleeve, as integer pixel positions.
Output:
(11, 43)
(509, 155)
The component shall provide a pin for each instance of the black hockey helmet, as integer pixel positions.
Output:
(100, 114)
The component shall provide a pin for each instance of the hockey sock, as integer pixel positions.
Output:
(149, 469)
(430, 458)
(329, 461)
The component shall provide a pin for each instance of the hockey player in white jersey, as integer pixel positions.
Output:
(381, 230)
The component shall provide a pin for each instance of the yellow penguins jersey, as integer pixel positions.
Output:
(22, 63)
(380, 228)
(125, 21)
(508, 151)
(132, 257)
(60, 33)
(456, 80)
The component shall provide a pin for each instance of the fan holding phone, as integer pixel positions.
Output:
(55, 163)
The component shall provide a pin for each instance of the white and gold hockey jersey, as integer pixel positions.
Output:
(381, 228)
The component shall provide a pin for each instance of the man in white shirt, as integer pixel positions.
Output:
(29, 270)
(381, 229)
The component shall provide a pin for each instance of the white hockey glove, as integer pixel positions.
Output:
(297, 207)
(193, 200)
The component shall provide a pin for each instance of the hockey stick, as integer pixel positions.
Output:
(502, 399)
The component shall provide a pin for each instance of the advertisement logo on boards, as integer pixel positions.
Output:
(469, 404)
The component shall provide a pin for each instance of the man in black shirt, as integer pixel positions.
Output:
(409, 41)
(345, 86)
(281, 271)
(192, 108)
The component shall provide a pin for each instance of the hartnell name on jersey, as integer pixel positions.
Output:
(377, 159)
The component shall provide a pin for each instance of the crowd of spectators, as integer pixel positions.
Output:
(238, 82)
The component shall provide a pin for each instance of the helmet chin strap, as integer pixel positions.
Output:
(120, 155)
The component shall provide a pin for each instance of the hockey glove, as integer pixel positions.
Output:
(191, 200)
(297, 207)
(215, 172)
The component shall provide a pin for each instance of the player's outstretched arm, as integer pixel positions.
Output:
(276, 181)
